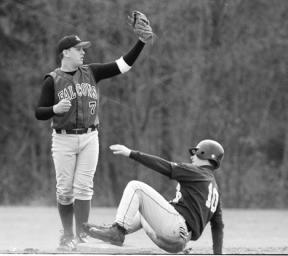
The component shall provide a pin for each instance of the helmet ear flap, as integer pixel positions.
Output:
(213, 163)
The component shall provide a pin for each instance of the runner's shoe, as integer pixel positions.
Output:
(114, 234)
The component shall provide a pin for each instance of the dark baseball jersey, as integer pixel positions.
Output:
(197, 198)
(82, 91)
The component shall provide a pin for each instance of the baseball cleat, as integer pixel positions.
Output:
(81, 238)
(67, 243)
(114, 234)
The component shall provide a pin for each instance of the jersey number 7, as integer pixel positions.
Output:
(92, 106)
(213, 197)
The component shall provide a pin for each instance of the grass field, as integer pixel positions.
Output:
(37, 230)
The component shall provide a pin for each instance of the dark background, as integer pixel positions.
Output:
(217, 69)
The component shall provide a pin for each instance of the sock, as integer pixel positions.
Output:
(66, 215)
(82, 210)
(121, 228)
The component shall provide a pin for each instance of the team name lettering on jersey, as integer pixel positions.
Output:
(82, 90)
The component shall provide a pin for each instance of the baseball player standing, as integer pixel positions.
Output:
(70, 98)
(170, 225)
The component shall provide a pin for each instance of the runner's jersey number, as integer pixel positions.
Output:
(211, 202)
(213, 197)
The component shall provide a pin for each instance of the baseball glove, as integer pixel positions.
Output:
(141, 26)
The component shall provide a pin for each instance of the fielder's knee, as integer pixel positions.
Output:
(64, 200)
(83, 194)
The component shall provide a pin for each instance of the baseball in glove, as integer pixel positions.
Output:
(141, 26)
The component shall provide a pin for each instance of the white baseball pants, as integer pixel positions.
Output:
(75, 159)
(143, 207)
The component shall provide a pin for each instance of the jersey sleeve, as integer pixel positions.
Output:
(153, 162)
(217, 227)
(107, 70)
(133, 54)
(44, 108)
(184, 171)
(103, 71)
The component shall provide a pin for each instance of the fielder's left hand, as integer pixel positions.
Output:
(141, 26)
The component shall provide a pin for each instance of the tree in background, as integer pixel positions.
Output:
(216, 70)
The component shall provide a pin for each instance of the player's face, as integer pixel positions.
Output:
(76, 55)
(192, 158)
(192, 152)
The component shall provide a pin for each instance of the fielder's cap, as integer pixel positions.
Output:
(71, 41)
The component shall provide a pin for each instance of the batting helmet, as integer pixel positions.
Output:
(209, 150)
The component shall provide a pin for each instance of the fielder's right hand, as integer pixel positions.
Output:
(120, 150)
(62, 106)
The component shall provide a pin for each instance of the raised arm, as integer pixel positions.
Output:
(141, 27)
(120, 66)
(153, 162)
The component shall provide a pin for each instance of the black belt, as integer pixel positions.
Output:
(77, 130)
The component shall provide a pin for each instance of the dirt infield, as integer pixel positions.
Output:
(37, 230)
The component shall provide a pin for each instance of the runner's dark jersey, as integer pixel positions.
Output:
(197, 198)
